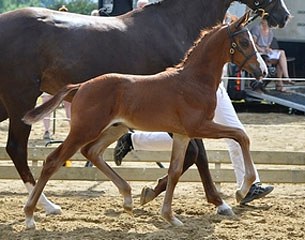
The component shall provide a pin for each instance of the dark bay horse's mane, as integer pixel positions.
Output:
(203, 38)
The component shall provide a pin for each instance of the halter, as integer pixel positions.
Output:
(262, 9)
(235, 47)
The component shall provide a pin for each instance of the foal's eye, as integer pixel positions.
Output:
(244, 43)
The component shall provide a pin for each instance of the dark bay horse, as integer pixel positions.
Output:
(137, 102)
(43, 50)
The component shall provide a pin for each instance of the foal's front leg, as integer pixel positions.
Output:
(148, 194)
(180, 143)
(214, 130)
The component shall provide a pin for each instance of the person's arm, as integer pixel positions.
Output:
(259, 48)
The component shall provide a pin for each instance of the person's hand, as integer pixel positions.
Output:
(262, 50)
(268, 50)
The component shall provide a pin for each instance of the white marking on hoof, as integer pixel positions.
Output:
(48, 206)
(30, 223)
(175, 222)
(172, 220)
(225, 209)
(45, 203)
(53, 210)
(127, 205)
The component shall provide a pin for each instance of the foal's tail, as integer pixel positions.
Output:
(46, 108)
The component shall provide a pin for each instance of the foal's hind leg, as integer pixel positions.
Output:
(94, 152)
(53, 162)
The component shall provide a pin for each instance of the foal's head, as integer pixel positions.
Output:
(243, 51)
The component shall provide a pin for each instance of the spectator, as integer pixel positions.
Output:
(263, 37)
(46, 121)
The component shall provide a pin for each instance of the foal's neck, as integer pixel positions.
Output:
(208, 58)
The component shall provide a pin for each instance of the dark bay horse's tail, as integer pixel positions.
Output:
(46, 108)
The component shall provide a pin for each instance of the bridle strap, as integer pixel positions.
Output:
(235, 47)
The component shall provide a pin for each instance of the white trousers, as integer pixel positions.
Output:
(224, 114)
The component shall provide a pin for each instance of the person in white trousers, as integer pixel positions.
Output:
(158, 141)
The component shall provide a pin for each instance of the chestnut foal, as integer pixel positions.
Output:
(180, 100)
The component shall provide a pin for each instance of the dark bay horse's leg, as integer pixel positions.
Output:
(191, 155)
(18, 135)
(211, 129)
(17, 144)
(205, 175)
(195, 154)
(211, 192)
(17, 148)
(3, 113)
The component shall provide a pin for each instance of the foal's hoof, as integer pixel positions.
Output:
(30, 223)
(147, 195)
(225, 212)
(128, 209)
(55, 210)
(239, 196)
(127, 205)
(173, 221)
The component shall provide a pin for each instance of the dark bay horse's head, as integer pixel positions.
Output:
(276, 11)
(243, 50)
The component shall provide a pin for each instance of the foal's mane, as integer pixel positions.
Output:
(203, 38)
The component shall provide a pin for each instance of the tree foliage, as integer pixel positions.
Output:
(76, 6)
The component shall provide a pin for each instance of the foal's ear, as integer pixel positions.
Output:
(242, 21)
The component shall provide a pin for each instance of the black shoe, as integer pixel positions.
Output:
(47, 136)
(89, 164)
(257, 85)
(256, 191)
(123, 146)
